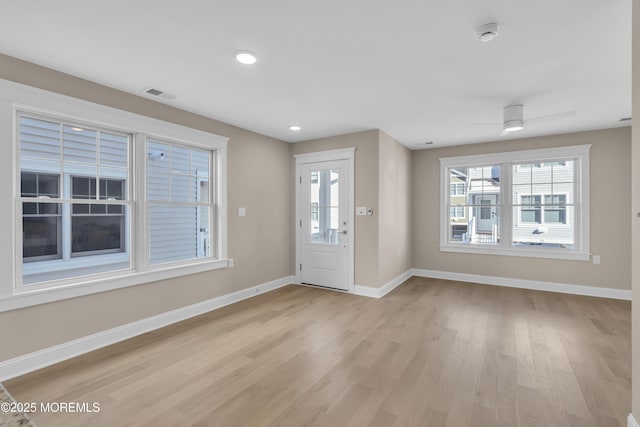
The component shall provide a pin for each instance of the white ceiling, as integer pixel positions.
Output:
(409, 67)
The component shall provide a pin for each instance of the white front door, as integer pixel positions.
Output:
(323, 238)
(487, 215)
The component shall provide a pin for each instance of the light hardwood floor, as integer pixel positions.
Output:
(431, 353)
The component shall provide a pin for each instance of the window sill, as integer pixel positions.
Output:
(520, 252)
(60, 269)
(29, 295)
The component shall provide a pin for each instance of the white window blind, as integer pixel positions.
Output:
(82, 216)
(68, 231)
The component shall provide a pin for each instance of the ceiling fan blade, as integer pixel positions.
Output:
(551, 117)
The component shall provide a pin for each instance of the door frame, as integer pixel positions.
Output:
(325, 156)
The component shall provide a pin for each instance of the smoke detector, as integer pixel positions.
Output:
(487, 32)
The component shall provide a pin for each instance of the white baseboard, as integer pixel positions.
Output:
(368, 291)
(631, 422)
(526, 284)
(40, 359)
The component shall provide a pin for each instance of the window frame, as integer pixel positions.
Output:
(17, 98)
(506, 160)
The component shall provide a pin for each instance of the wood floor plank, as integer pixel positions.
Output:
(431, 353)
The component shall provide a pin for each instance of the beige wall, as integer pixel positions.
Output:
(366, 194)
(394, 212)
(259, 175)
(610, 204)
(635, 178)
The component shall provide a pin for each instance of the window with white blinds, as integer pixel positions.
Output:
(179, 202)
(79, 176)
(104, 198)
(79, 214)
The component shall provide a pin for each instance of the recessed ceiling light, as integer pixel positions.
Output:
(487, 32)
(246, 57)
(295, 128)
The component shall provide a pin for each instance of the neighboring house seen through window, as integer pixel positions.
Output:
(97, 228)
(178, 201)
(525, 203)
(41, 222)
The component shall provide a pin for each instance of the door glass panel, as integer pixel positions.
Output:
(485, 213)
(324, 209)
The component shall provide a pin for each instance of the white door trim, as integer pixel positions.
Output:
(323, 156)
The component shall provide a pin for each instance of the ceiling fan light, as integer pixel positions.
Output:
(512, 118)
(513, 126)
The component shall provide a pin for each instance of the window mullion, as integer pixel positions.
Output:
(66, 217)
(140, 214)
(445, 213)
(506, 205)
(578, 181)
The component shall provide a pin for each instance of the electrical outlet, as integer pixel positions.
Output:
(242, 212)
(230, 263)
(595, 259)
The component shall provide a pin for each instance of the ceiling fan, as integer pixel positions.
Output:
(513, 119)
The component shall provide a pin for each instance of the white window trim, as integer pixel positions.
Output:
(504, 247)
(16, 97)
